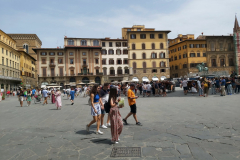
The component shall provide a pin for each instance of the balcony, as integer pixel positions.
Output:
(52, 64)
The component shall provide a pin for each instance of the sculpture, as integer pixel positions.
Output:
(201, 67)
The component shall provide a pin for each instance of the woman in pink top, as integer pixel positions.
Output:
(58, 99)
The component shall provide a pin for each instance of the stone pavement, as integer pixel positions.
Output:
(174, 127)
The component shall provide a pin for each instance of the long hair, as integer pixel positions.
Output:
(94, 90)
(112, 94)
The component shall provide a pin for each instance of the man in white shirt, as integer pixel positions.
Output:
(84, 90)
(148, 89)
(184, 85)
(200, 90)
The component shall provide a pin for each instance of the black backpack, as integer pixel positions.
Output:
(107, 107)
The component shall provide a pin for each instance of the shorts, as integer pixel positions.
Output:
(21, 98)
(133, 108)
(25, 95)
(72, 97)
(32, 95)
(98, 108)
(144, 91)
(185, 88)
(205, 90)
(103, 111)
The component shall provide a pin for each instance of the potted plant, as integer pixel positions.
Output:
(3, 96)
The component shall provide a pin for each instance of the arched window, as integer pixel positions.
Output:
(83, 42)
(85, 80)
(154, 64)
(133, 46)
(144, 56)
(72, 79)
(133, 56)
(144, 67)
(162, 64)
(70, 42)
(25, 46)
(84, 70)
(162, 55)
(231, 62)
(143, 45)
(134, 67)
(95, 43)
(161, 45)
(153, 46)
(154, 55)
(98, 80)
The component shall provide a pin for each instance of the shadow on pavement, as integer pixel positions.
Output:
(84, 132)
(102, 141)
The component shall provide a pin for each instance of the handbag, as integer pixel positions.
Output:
(107, 107)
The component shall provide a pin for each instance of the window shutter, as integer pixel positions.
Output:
(120, 61)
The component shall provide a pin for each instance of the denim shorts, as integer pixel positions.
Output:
(98, 109)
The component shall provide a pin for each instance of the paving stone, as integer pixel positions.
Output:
(198, 152)
(183, 149)
(222, 156)
(149, 151)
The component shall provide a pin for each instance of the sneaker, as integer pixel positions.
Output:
(103, 126)
(125, 122)
(108, 125)
(87, 128)
(138, 123)
(114, 142)
(118, 139)
(99, 132)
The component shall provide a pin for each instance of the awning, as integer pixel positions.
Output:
(163, 77)
(54, 86)
(155, 79)
(145, 79)
(135, 79)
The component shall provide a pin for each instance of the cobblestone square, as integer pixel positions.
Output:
(176, 127)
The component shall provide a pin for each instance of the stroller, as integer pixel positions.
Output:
(37, 98)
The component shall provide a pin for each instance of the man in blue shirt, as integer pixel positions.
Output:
(33, 92)
(72, 94)
(223, 83)
(45, 95)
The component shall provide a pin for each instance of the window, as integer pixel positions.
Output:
(212, 47)
(44, 72)
(162, 64)
(71, 53)
(128, 29)
(203, 46)
(161, 45)
(133, 46)
(125, 61)
(103, 44)
(162, 70)
(111, 61)
(112, 72)
(125, 51)
(84, 62)
(229, 47)
(143, 45)
(153, 46)
(25, 46)
(60, 61)
(185, 46)
(144, 56)
(197, 45)
(96, 61)
(60, 53)
(139, 29)
(160, 35)
(10, 54)
(6, 52)
(118, 51)
(154, 64)
(192, 65)
(213, 61)
(176, 67)
(2, 60)
(95, 43)
(97, 71)
(105, 71)
(179, 57)
(198, 54)
(126, 70)
(52, 72)
(43, 61)
(124, 44)
(6, 62)
(43, 53)
(151, 36)
(191, 45)
(185, 55)
(192, 55)
(133, 56)
(162, 55)
(154, 55)
(118, 44)
(154, 70)
(104, 52)
(61, 71)
(144, 67)
(175, 58)
(2, 51)
(96, 53)
(133, 36)
(231, 62)
(51, 53)
(70, 42)
(83, 42)
(204, 55)
(71, 61)
(84, 53)
(119, 61)
(110, 44)
(110, 51)
(142, 36)
(221, 46)
(103, 61)
(222, 62)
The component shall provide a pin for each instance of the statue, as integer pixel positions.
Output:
(201, 67)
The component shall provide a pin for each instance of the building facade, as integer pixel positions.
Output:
(236, 40)
(9, 64)
(27, 70)
(115, 59)
(148, 52)
(79, 61)
(220, 55)
(185, 54)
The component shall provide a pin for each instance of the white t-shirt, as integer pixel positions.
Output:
(149, 87)
(85, 88)
(184, 83)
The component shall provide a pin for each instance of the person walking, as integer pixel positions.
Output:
(229, 86)
(200, 90)
(132, 103)
(33, 93)
(29, 98)
(45, 96)
(156, 89)
(72, 94)
(213, 86)
(53, 96)
(206, 87)
(115, 116)
(21, 97)
(96, 104)
(85, 91)
(25, 94)
(223, 83)
(104, 97)
(184, 85)
(58, 99)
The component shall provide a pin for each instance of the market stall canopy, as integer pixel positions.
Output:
(115, 82)
(145, 79)
(155, 78)
(135, 79)
(81, 83)
(54, 86)
(163, 77)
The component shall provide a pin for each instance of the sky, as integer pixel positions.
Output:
(51, 20)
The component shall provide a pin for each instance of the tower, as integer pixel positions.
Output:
(236, 42)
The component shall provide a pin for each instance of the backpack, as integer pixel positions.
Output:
(107, 107)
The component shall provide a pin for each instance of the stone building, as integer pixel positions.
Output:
(220, 55)
(236, 38)
(185, 53)
(9, 64)
(115, 59)
(148, 52)
(79, 61)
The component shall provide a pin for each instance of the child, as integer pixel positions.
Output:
(132, 103)
(29, 98)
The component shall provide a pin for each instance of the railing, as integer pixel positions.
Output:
(52, 64)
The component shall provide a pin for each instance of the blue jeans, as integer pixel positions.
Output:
(229, 89)
(200, 91)
(213, 89)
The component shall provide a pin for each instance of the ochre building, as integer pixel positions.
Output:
(185, 54)
(147, 52)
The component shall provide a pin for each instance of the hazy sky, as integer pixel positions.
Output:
(52, 19)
